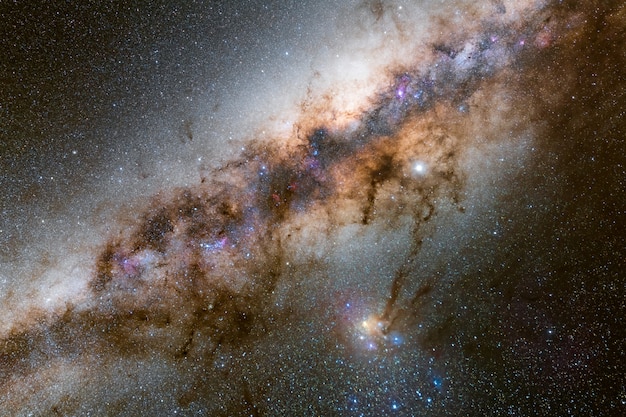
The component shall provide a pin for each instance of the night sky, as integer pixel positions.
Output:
(352, 208)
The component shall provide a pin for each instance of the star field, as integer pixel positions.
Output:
(361, 208)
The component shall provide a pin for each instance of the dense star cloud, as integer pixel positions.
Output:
(364, 208)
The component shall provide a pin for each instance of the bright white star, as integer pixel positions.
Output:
(419, 167)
